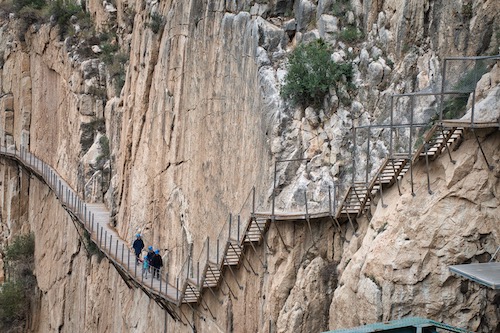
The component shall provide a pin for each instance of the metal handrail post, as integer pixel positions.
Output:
(330, 200)
(177, 290)
(159, 276)
(128, 262)
(354, 156)
(307, 213)
(443, 82)
(218, 244)
(474, 95)
(410, 145)
(166, 283)
(273, 217)
(335, 199)
(427, 168)
(368, 156)
(239, 224)
(253, 200)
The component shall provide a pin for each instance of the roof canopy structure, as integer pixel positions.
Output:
(487, 274)
(406, 325)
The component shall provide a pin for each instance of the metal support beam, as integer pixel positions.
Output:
(490, 167)
(261, 233)
(397, 176)
(281, 238)
(232, 272)
(248, 262)
(381, 193)
(452, 131)
(427, 168)
(227, 285)
(350, 221)
(307, 215)
(254, 250)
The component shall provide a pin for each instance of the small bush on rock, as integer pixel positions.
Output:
(311, 74)
(62, 13)
(16, 292)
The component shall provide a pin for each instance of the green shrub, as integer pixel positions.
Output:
(22, 248)
(16, 292)
(12, 302)
(157, 23)
(28, 15)
(20, 4)
(350, 34)
(108, 51)
(62, 13)
(311, 73)
(467, 11)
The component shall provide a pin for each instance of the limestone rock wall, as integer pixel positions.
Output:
(199, 122)
(401, 266)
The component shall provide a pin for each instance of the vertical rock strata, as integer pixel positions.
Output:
(199, 122)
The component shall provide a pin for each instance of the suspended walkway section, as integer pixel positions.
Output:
(242, 233)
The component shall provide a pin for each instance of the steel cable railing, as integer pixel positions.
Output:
(108, 241)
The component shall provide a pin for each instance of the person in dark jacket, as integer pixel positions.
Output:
(138, 245)
(149, 257)
(157, 263)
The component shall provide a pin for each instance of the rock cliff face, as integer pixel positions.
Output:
(199, 122)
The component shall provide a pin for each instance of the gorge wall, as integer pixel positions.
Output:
(199, 121)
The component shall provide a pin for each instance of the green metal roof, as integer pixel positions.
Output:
(399, 325)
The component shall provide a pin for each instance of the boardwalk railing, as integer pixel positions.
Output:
(94, 218)
(240, 231)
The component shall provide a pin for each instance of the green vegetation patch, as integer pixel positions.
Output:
(16, 292)
(22, 248)
(157, 23)
(62, 13)
(311, 74)
(351, 34)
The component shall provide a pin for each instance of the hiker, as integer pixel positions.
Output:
(157, 263)
(138, 245)
(149, 256)
(145, 266)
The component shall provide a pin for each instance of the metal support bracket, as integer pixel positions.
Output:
(490, 167)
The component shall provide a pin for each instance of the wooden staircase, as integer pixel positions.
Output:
(232, 255)
(437, 140)
(355, 201)
(392, 170)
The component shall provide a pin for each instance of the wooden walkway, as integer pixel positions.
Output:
(95, 219)
(228, 251)
(169, 291)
